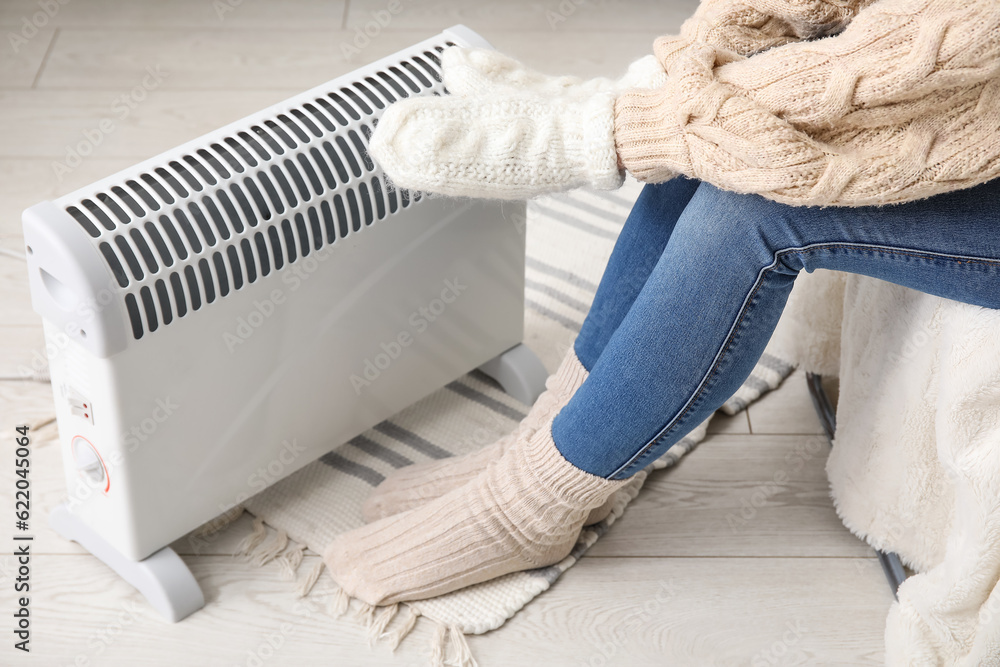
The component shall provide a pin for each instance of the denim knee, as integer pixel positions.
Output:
(728, 223)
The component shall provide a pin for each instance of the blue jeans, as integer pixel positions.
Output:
(698, 279)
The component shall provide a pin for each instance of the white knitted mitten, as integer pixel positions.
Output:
(506, 132)
(498, 146)
(470, 72)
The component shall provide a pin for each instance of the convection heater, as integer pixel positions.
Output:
(252, 299)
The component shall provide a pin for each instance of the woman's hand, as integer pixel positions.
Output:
(505, 131)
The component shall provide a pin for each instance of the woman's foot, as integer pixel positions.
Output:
(415, 485)
(524, 511)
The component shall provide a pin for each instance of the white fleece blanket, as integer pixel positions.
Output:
(915, 466)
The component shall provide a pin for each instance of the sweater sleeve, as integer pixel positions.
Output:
(902, 104)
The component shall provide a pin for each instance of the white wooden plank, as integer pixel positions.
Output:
(225, 14)
(118, 60)
(725, 424)
(23, 351)
(162, 121)
(83, 612)
(208, 59)
(24, 403)
(678, 611)
(737, 496)
(549, 18)
(22, 53)
(15, 300)
(786, 411)
(604, 611)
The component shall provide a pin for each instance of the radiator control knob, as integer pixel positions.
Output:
(89, 462)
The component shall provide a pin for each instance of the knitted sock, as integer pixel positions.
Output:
(523, 511)
(415, 485)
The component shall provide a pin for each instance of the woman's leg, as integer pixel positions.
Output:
(637, 251)
(639, 246)
(691, 337)
(709, 307)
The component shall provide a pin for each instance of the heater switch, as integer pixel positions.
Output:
(88, 461)
(79, 405)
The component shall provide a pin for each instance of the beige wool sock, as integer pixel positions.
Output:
(523, 511)
(417, 484)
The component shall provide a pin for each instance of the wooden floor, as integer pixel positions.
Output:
(714, 564)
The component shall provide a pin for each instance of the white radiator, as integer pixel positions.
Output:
(250, 300)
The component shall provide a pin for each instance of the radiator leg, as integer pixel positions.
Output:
(162, 578)
(520, 372)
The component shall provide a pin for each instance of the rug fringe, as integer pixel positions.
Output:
(340, 602)
(377, 619)
(459, 654)
(289, 561)
(448, 646)
(365, 613)
(395, 635)
(268, 551)
(249, 543)
(310, 579)
(438, 644)
(380, 622)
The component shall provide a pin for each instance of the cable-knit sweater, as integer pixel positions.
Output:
(777, 97)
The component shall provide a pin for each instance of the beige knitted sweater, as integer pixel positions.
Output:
(777, 97)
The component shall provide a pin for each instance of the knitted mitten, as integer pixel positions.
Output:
(415, 485)
(471, 72)
(506, 132)
(498, 146)
(523, 511)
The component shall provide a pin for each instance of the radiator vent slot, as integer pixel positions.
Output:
(243, 259)
(211, 220)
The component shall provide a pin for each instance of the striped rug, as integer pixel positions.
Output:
(570, 238)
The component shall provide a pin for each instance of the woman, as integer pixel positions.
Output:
(872, 148)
